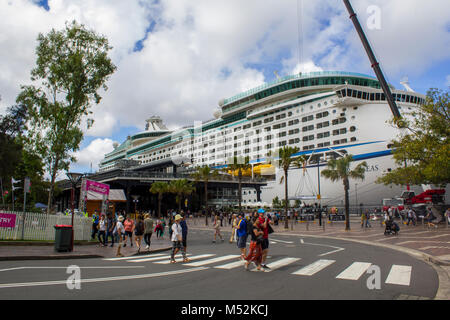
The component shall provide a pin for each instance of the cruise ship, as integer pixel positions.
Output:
(325, 114)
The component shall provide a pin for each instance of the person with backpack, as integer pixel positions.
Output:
(255, 250)
(184, 233)
(241, 232)
(139, 232)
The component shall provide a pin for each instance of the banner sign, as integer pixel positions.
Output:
(7, 220)
(97, 187)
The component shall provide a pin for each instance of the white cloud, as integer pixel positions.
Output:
(447, 83)
(93, 153)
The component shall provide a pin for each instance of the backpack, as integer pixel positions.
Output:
(249, 227)
(139, 228)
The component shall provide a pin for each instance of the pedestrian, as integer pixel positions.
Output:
(110, 225)
(255, 249)
(217, 229)
(410, 216)
(148, 228)
(264, 224)
(120, 230)
(102, 230)
(95, 220)
(177, 240)
(367, 219)
(129, 228)
(447, 215)
(363, 218)
(234, 222)
(184, 232)
(139, 231)
(241, 231)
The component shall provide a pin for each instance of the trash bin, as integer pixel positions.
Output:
(63, 238)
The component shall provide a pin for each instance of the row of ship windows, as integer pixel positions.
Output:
(321, 135)
(378, 96)
(267, 154)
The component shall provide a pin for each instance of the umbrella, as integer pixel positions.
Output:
(261, 210)
(40, 205)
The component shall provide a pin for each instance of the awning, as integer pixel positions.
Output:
(114, 195)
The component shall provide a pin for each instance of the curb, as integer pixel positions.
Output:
(37, 243)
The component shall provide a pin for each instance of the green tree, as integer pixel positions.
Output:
(204, 174)
(285, 160)
(339, 169)
(276, 203)
(239, 164)
(422, 151)
(182, 188)
(17, 161)
(72, 66)
(159, 188)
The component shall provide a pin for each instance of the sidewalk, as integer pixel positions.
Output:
(46, 251)
(433, 243)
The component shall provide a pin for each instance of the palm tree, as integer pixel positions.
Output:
(240, 164)
(159, 188)
(339, 169)
(182, 188)
(284, 161)
(204, 174)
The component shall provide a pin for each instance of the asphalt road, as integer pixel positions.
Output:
(301, 269)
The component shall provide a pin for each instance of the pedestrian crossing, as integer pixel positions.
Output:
(398, 274)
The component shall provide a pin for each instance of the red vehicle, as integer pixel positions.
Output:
(434, 196)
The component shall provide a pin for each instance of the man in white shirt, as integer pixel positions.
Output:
(120, 229)
(177, 240)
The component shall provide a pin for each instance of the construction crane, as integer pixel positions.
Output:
(373, 61)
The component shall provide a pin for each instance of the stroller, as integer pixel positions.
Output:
(391, 227)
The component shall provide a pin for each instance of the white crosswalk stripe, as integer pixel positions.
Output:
(134, 257)
(231, 265)
(313, 268)
(400, 275)
(156, 258)
(355, 271)
(279, 263)
(201, 256)
(210, 261)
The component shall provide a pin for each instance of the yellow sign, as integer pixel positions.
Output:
(319, 196)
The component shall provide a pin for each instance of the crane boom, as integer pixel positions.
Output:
(373, 61)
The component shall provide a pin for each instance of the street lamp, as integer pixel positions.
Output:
(74, 179)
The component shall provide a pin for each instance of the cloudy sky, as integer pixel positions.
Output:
(178, 58)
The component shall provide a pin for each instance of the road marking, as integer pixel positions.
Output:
(201, 256)
(209, 261)
(400, 275)
(315, 267)
(355, 271)
(131, 277)
(283, 241)
(134, 257)
(334, 251)
(111, 267)
(337, 249)
(231, 265)
(162, 257)
(279, 263)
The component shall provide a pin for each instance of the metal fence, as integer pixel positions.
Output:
(41, 226)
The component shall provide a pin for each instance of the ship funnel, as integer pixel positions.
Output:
(405, 83)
